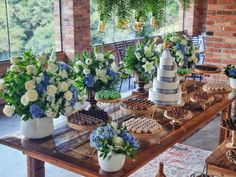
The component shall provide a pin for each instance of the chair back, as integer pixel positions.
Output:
(120, 50)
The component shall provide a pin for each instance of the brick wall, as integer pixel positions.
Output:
(221, 32)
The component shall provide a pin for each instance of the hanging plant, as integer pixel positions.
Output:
(186, 4)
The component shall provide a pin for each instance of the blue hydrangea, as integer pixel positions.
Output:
(232, 72)
(46, 79)
(130, 139)
(181, 48)
(41, 88)
(95, 141)
(105, 132)
(89, 80)
(112, 74)
(64, 66)
(36, 111)
(74, 99)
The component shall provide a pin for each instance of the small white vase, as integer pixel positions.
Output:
(37, 128)
(113, 164)
(232, 83)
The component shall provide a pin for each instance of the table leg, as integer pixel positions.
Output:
(35, 168)
(234, 108)
(224, 133)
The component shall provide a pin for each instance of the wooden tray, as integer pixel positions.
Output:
(202, 72)
(202, 101)
(217, 92)
(148, 136)
(82, 127)
(109, 101)
(188, 116)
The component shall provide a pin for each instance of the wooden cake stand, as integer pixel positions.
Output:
(232, 144)
(149, 112)
(177, 121)
(202, 72)
(203, 103)
(220, 92)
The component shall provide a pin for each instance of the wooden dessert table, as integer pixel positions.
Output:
(218, 164)
(73, 152)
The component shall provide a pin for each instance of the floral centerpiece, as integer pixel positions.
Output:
(113, 143)
(141, 60)
(95, 71)
(37, 89)
(181, 48)
(230, 72)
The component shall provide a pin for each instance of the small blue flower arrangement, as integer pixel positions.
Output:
(230, 71)
(112, 138)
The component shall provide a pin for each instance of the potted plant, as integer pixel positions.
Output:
(95, 71)
(230, 71)
(113, 143)
(37, 90)
(141, 60)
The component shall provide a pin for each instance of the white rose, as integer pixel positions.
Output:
(63, 86)
(30, 85)
(88, 61)
(14, 60)
(68, 110)
(63, 74)
(52, 67)
(31, 69)
(68, 95)
(32, 95)
(2, 85)
(38, 80)
(79, 63)
(24, 100)
(118, 141)
(8, 110)
(42, 59)
(49, 113)
(51, 90)
(86, 71)
(99, 56)
(112, 57)
(14, 68)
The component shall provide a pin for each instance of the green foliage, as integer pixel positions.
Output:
(186, 4)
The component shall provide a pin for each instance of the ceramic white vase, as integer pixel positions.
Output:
(37, 128)
(232, 83)
(113, 164)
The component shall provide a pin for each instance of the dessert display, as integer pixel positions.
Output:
(176, 114)
(87, 120)
(230, 124)
(108, 95)
(138, 104)
(207, 68)
(166, 88)
(217, 87)
(142, 125)
(201, 97)
(231, 156)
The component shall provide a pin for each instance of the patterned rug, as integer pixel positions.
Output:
(179, 161)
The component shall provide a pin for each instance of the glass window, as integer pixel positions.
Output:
(114, 34)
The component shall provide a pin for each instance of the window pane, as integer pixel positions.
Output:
(113, 34)
(4, 48)
(31, 25)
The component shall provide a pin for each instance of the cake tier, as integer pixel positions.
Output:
(165, 99)
(165, 87)
(166, 60)
(167, 76)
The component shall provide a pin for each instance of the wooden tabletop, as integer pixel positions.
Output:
(74, 155)
(218, 164)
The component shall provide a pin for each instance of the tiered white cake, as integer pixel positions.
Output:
(166, 89)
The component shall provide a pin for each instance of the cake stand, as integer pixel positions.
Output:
(181, 104)
(205, 72)
(232, 144)
(219, 92)
(149, 112)
(202, 102)
(177, 121)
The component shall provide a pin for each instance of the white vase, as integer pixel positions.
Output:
(113, 164)
(232, 82)
(37, 128)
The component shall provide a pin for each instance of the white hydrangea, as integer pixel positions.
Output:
(63, 86)
(14, 60)
(68, 95)
(31, 69)
(86, 71)
(8, 110)
(24, 100)
(52, 67)
(63, 74)
(30, 85)
(2, 85)
(14, 68)
(51, 90)
(32, 95)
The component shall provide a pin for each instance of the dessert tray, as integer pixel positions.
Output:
(108, 96)
(202, 98)
(87, 120)
(230, 125)
(217, 88)
(207, 69)
(143, 128)
(138, 106)
(177, 114)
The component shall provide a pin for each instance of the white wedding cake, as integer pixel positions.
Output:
(166, 89)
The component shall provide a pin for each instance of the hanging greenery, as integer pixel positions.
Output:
(186, 4)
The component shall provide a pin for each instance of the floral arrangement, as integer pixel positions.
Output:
(230, 71)
(181, 49)
(37, 87)
(142, 59)
(111, 138)
(95, 70)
